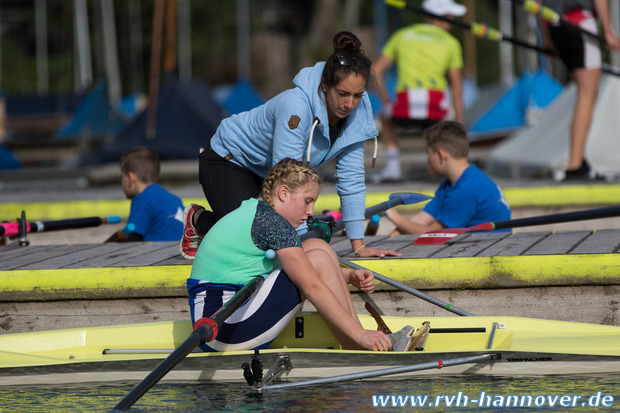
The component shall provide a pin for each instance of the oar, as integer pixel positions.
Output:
(480, 30)
(319, 228)
(11, 229)
(483, 31)
(205, 330)
(410, 290)
(551, 16)
(384, 372)
(441, 236)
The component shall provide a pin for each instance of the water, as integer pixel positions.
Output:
(343, 397)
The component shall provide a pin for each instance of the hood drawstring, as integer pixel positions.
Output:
(374, 155)
(314, 124)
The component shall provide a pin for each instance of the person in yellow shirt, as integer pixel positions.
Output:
(427, 59)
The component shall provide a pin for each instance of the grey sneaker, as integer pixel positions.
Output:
(401, 340)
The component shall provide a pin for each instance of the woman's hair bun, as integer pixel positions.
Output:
(346, 42)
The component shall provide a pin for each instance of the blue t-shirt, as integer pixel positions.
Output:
(157, 214)
(473, 199)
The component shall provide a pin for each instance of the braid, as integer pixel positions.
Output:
(289, 172)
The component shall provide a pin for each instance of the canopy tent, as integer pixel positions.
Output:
(187, 117)
(7, 159)
(542, 150)
(95, 118)
(239, 97)
(515, 109)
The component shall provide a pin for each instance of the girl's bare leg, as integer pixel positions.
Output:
(345, 299)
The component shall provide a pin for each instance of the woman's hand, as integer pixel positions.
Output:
(363, 279)
(367, 252)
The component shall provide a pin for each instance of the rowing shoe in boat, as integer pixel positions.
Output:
(306, 350)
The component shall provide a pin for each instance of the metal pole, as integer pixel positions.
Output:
(41, 45)
(506, 48)
(384, 372)
(110, 51)
(185, 40)
(243, 39)
(84, 72)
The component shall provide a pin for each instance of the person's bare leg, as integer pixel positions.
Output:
(587, 81)
(345, 299)
(325, 269)
(389, 136)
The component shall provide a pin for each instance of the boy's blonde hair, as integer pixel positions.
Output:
(142, 161)
(289, 172)
(449, 136)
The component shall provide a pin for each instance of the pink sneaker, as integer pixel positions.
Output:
(191, 237)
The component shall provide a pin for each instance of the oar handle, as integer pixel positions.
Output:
(205, 330)
(606, 212)
(320, 229)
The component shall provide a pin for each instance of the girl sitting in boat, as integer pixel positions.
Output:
(241, 246)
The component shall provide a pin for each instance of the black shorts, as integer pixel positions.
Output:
(576, 49)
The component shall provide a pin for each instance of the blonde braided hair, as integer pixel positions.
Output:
(289, 172)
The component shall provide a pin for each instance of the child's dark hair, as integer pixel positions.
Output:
(449, 136)
(289, 172)
(347, 48)
(142, 161)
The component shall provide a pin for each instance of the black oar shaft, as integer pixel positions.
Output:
(606, 212)
(38, 226)
(410, 290)
(203, 333)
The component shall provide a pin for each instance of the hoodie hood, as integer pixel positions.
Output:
(360, 125)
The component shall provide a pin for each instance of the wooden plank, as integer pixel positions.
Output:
(114, 253)
(391, 243)
(149, 254)
(514, 244)
(39, 255)
(472, 246)
(77, 258)
(13, 250)
(605, 241)
(558, 243)
(421, 251)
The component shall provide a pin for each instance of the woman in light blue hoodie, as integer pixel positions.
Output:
(326, 116)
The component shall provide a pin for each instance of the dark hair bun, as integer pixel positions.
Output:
(346, 42)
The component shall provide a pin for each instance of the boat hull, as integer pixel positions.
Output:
(125, 354)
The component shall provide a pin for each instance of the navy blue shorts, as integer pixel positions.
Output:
(259, 320)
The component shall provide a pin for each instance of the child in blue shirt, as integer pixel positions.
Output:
(156, 213)
(467, 197)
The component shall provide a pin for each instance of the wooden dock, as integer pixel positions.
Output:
(564, 275)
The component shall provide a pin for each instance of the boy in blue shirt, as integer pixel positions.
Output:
(467, 197)
(156, 213)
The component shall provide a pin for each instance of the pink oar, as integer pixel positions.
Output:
(441, 236)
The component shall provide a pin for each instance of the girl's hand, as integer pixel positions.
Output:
(367, 252)
(363, 279)
(375, 340)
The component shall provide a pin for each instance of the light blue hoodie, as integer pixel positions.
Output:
(259, 138)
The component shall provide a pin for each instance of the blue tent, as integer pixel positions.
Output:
(241, 98)
(94, 118)
(7, 159)
(187, 117)
(532, 91)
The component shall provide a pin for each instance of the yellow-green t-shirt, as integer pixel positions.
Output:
(423, 54)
